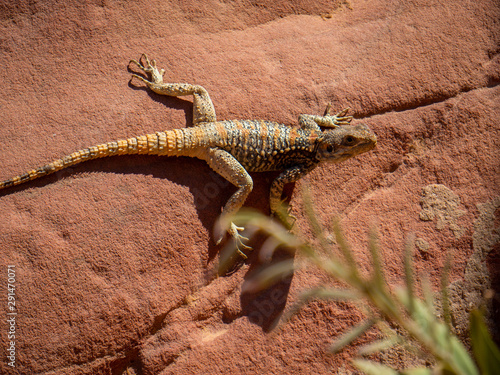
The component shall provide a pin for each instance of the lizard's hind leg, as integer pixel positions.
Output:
(228, 167)
(203, 108)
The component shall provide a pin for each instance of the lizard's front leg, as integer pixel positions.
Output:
(313, 122)
(228, 167)
(203, 108)
(275, 202)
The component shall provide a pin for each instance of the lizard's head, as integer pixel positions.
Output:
(345, 141)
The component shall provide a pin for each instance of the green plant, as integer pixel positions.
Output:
(416, 318)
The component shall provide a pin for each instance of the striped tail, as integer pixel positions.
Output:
(160, 143)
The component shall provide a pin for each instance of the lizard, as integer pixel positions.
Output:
(232, 148)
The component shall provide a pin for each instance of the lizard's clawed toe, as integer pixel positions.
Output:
(283, 213)
(148, 67)
(341, 118)
(238, 240)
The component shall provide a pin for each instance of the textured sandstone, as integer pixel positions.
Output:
(112, 255)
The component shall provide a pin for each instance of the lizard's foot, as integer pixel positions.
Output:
(238, 240)
(338, 119)
(285, 216)
(149, 67)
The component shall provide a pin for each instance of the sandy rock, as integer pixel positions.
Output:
(111, 257)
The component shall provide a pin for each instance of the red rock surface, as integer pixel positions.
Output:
(111, 256)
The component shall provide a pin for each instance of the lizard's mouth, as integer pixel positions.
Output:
(363, 147)
(346, 142)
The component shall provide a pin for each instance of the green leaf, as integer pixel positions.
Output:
(378, 272)
(409, 273)
(373, 368)
(317, 293)
(351, 335)
(436, 336)
(485, 351)
(428, 294)
(330, 294)
(268, 276)
(461, 362)
(346, 251)
(418, 371)
(312, 216)
(378, 346)
(445, 300)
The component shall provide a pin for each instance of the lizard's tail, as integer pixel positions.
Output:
(160, 143)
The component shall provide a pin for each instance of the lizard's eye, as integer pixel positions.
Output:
(350, 139)
(329, 148)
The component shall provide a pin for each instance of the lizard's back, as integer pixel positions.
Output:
(258, 145)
